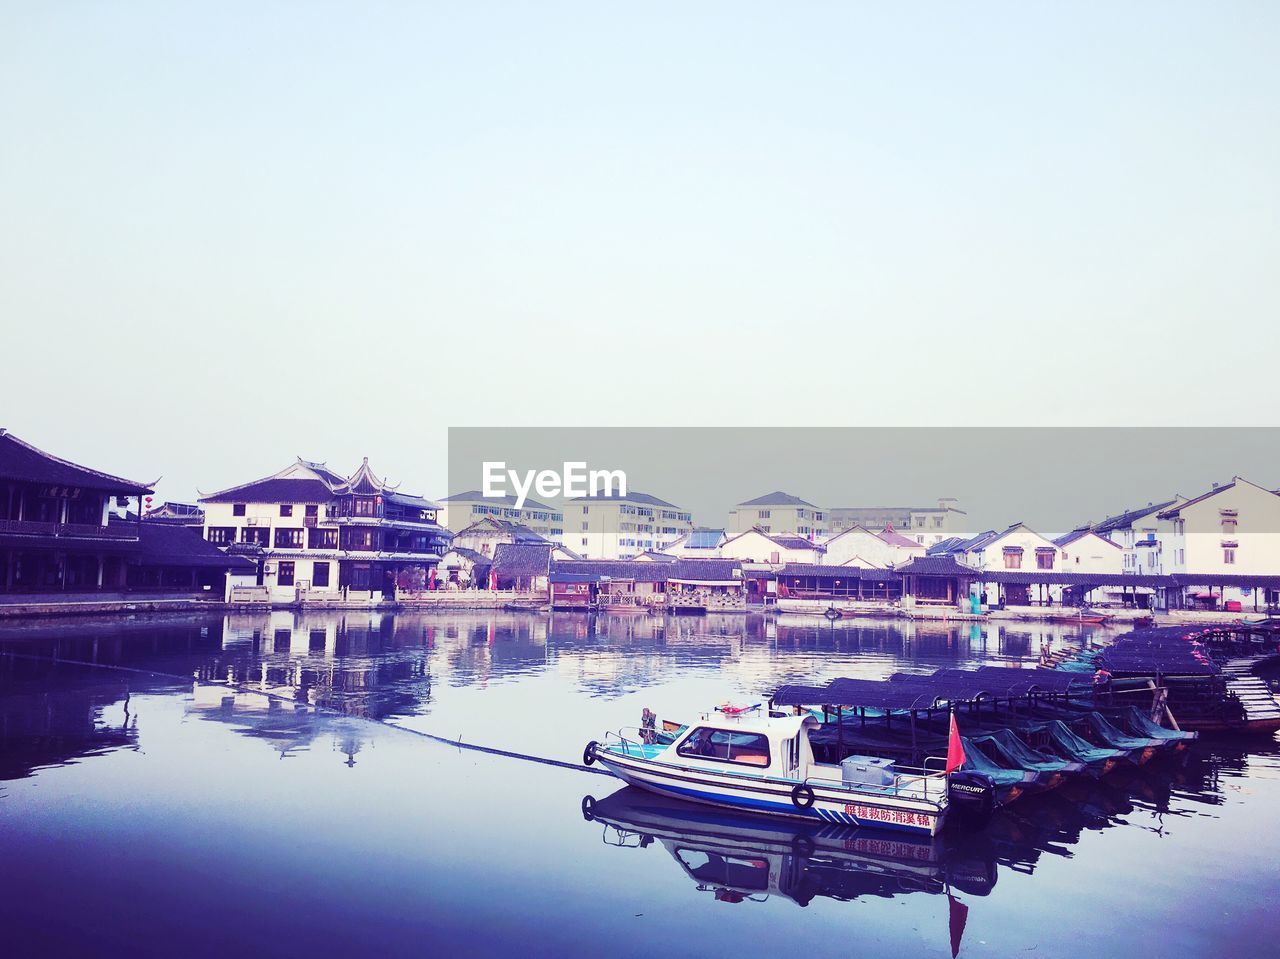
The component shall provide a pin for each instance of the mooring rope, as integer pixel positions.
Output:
(329, 710)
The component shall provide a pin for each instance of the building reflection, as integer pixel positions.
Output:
(287, 727)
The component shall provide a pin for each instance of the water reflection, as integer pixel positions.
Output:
(736, 857)
(286, 727)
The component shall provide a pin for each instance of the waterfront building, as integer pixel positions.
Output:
(1017, 548)
(698, 585)
(925, 525)
(522, 566)
(319, 536)
(63, 538)
(859, 546)
(461, 510)
(1134, 531)
(620, 526)
(780, 513)
(1228, 536)
(758, 546)
(1085, 551)
(463, 568)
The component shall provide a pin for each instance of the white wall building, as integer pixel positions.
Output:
(699, 542)
(758, 546)
(858, 546)
(1084, 551)
(1134, 531)
(318, 535)
(619, 527)
(779, 513)
(1232, 530)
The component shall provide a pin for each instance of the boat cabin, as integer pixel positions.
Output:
(776, 746)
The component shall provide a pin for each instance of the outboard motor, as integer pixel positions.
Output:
(971, 796)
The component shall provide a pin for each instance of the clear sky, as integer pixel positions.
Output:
(235, 232)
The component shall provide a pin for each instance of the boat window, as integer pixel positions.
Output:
(726, 745)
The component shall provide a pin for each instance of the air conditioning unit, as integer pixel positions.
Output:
(251, 521)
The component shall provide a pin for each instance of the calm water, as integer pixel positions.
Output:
(255, 784)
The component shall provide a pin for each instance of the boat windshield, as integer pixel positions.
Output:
(726, 745)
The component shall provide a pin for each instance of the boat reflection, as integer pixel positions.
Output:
(737, 857)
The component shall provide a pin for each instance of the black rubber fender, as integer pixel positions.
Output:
(802, 795)
(802, 846)
(588, 808)
(589, 754)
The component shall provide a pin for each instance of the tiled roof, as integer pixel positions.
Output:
(522, 559)
(474, 556)
(162, 544)
(653, 556)
(952, 544)
(272, 490)
(1199, 499)
(777, 498)
(1068, 538)
(594, 569)
(706, 570)
(935, 566)
(1126, 519)
(21, 461)
(412, 502)
(520, 532)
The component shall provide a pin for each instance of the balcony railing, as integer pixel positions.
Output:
(27, 527)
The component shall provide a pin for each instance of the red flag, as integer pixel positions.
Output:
(958, 916)
(955, 749)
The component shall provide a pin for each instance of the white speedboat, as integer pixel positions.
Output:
(765, 764)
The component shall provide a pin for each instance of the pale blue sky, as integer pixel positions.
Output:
(236, 232)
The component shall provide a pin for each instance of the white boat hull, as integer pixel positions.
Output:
(847, 806)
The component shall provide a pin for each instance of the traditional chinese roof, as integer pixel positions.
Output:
(299, 482)
(522, 559)
(364, 482)
(163, 544)
(21, 461)
(705, 570)
(836, 572)
(935, 566)
(1077, 534)
(1126, 519)
(592, 570)
(518, 531)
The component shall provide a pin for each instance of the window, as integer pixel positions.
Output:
(254, 535)
(763, 514)
(584, 541)
(320, 574)
(284, 574)
(1013, 557)
(237, 509)
(322, 538)
(222, 535)
(1228, 524)
(726, 745)
(286, 509)
(1045, 557)
(288, 538)
(361, 539)
(1229, 555)
(937, 522)
(313, 510)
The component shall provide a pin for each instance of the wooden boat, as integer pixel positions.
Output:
(765, 764)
